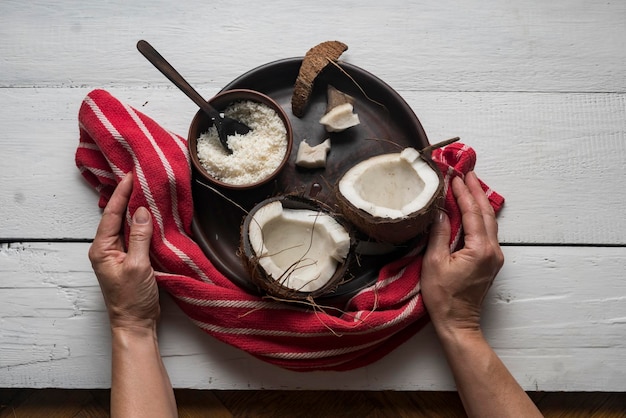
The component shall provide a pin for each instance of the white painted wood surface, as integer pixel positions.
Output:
(537, 88)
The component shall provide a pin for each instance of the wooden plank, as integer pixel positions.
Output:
(614, 406)
(200, 404)
(10, 399)
(194, 403)
(557, 158)
(597, 405)
(50, 404)
(92, 410)
(417, 404)
(297, 404)
(554, 315)
(453, 45)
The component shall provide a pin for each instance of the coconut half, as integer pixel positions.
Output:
(391, 197)
(293, 248)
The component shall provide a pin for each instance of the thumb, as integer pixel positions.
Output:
(439, 239)
(140, 234)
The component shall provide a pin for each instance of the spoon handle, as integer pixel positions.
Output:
(174, 76)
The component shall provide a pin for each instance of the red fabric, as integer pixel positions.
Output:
(116, 139)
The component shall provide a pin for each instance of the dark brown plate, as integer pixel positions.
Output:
(387, 125)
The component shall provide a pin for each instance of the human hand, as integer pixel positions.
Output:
(454, 285)
(126, 278)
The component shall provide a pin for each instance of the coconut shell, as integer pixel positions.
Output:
(268, 284)
(395, 230)
(336, 97)
(313, 63)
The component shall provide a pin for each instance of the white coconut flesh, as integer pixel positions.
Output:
(299, 248)
(391, 185)
(340, 118)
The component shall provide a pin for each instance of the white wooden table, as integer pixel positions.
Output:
(538, 88)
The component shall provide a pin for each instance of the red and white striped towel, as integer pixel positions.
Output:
(116, 139)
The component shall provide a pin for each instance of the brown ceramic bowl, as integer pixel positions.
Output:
(201, 123)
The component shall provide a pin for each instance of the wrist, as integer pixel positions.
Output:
(126, 340)
(453, 333)
(134, 328)
(450, 321)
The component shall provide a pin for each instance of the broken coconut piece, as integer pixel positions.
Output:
(392, 197)
(339, 111)
(340, 118)
(294, 249)
(313, 63)
(312, 157)
(336, 97)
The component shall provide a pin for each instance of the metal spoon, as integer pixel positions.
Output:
(225, 126)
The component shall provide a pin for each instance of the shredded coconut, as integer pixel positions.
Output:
(256, 155)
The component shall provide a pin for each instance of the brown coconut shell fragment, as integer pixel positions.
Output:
(339, 114)
(336, 97)
(313, 63)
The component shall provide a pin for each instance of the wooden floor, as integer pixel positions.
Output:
(52, 403)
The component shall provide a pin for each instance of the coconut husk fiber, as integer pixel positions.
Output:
(313, 63)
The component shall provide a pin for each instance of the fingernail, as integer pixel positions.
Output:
(141, 216)
(441, 216)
